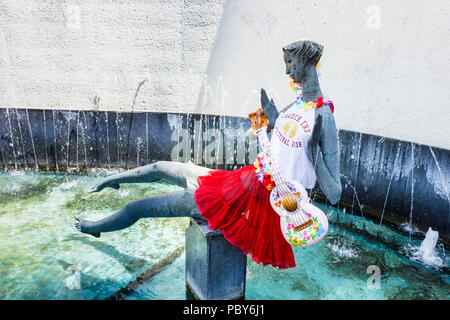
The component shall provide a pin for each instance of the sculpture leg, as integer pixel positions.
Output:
(174, 204)
(183, 174)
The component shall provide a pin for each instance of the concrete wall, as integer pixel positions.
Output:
(93, 55)
(385, 65)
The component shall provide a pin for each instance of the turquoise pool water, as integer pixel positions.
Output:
(335, 268)
(42, 255)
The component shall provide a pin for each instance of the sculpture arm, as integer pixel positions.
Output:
(269, 109)
(271, 112)
(325, 155)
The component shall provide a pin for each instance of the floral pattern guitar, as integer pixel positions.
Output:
(302, 223)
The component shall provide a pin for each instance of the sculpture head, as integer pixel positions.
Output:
(299, 56)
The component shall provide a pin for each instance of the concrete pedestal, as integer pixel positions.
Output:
(215, 269)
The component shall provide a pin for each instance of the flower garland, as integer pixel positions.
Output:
(297, 87)
(263, 173)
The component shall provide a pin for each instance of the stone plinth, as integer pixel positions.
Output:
(215, 269)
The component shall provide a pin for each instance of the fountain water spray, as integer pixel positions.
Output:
(12, 138)
(412, 189)
(442, 176)
(426, 252)
(389, 185)
(21, 140)
(108, 153)
(32, 140)
(356, 176)
(45, 140)
(54, 140)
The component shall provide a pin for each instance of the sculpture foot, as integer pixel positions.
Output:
(79, 224)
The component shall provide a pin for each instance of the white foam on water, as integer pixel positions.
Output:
(409, 228)
(124, 193)
(12, 188)
(69, 184)
(341, 250)
(17, 173)
(103, 171)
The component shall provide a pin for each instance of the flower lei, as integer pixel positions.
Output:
(263, 173)
(297, 87)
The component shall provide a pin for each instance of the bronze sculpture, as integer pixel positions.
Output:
(301, 58)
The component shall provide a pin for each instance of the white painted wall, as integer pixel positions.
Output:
(64, 54)
(385, 65)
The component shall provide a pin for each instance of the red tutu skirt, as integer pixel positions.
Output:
(238, 204)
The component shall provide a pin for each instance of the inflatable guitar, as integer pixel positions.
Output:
(302, 223)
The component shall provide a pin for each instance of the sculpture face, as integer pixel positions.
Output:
(295, 66)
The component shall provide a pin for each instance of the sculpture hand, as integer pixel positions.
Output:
(269, 108)
(104, 185)
(315, 138)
